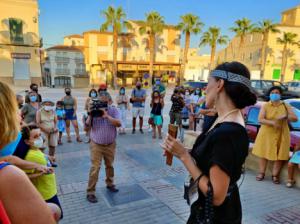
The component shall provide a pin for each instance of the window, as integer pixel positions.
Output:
(16, 31)
(276, 73)
(256, 84)
(65, 65)
(59, 65)
(297, 74)
(252, 117)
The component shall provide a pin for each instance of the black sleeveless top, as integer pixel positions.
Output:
(226, 146)
(156, 108)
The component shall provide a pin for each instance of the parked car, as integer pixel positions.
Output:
(262, 87)
(293, 86)
(293, 102)
(252, 124)
(192, 85)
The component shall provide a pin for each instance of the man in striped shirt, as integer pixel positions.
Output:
(102, 146)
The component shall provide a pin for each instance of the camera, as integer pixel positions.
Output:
(97, 107)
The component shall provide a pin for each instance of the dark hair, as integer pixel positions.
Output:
(200, 92)
(240, 95)
(27, 129)
(273, 88)
(67, 88)
(32, 85)
(122, 88)
(155, 91)
(92, 90)
(60, 103)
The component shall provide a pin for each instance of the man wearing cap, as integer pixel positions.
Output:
(138, 98)
(46, 120)
(102, 92)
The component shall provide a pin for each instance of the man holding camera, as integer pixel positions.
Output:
(103, 121)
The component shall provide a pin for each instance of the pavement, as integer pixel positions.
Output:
(151, 191)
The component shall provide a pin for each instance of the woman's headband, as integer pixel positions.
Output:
(231, 77)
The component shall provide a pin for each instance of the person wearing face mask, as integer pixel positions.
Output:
(157, 104)
(70, 106)
(13, 201)
(92, 95)
(102, 92)
(61, 123)
(187, 106)
(273, 139)
(45, 183)
(123, 105)
(138, 98)
(28, 111)
(196, 101)
(159, 87)
(46, 120)
(217, 157)
(34, 88)
(20, 101)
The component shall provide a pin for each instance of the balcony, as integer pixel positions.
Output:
(62, 71)
(80, 72)
(62, 59)
(79, 60)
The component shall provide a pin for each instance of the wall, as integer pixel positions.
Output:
(27, 11)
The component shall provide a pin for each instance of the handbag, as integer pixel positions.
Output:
(204, 215)
(151, 121)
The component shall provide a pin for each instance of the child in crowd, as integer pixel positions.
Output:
(45, 183)
(291, 169)
(61, 123)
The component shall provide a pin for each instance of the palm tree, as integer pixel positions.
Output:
(242, 28)
(212, 37)
(287, 39)
(115, 18)
(265, 27)
(152, 26)
(189, 24)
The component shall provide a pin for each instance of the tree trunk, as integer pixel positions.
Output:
(283, 62)
(212, 56)
(240, 48)
(115, 55)
(185, 54)
(151, 59)
(263, 55)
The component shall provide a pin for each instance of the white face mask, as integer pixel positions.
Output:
(48, 108)
(38, 143)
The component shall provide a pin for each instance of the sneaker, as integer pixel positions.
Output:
(133, 131)
(141, 130)
(112, 189)
(92, 198)
(149, 129)
(290, 183)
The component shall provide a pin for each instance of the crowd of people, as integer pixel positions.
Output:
(214, 163)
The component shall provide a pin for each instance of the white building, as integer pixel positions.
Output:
(64, 66)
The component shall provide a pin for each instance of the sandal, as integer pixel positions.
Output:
(60, 142)
(260, 177)
(154, 136)
(78, 139)
(290, 183)
(69, 140)
(275, 179)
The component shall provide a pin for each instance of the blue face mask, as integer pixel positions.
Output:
(93, 95)
(33, 98)
(10, 148)
(122, 92)
(157, 82)
(275, 97)
(197, 91)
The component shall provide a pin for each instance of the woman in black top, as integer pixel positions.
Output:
(157, 104)
(215, 162)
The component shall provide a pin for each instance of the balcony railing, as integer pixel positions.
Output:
(79, 60)
(62, 71)
(80, 72)
(62, 59)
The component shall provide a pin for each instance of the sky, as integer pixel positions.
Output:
(59, 18)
